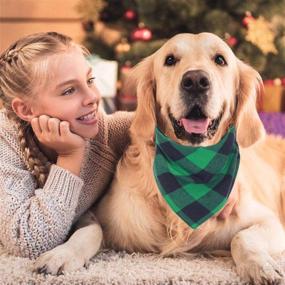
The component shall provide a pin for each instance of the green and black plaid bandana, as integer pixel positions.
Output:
(196, 181)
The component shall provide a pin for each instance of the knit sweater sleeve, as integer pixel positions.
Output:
(118, 125)
(32, 220)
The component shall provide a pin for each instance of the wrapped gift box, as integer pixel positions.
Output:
(274, 122)
(106, 74)
(273, 99)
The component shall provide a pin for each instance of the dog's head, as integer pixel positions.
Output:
(193, 88)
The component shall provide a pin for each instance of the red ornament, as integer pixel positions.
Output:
(141, 34)
(248, 17)
(126, 67)
(232, 41)
(130, 15)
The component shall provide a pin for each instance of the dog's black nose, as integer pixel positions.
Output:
(195, 81)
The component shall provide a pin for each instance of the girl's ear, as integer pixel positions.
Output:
(248, 124)
(22, 109)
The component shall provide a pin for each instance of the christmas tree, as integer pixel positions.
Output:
(128, 31)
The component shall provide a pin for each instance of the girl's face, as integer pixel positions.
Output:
(70, 93)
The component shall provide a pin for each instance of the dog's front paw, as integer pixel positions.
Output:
(261, 271)
(59, 260)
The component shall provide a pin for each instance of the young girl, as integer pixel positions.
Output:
(51, 168)
(58, 151)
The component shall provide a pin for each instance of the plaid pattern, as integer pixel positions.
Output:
(196, 181)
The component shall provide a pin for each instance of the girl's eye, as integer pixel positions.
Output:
(68, 91)
(220, 60)
(91, 81)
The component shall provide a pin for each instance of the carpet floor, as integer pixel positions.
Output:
(120, 268)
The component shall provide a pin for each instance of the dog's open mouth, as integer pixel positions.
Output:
(195, 126)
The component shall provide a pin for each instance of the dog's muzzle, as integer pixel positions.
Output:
(194, 125)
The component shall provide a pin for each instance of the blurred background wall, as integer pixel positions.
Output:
(21, 17)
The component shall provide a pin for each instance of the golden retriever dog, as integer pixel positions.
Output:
(192, 77)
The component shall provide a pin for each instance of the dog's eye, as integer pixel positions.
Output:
(170, 60)
(220, 60)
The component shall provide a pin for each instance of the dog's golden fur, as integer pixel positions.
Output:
(133, 214)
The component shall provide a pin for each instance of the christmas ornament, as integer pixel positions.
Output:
(247, 19)
(130, 15)
(231, 40)
(123, 46)
(260, 34)
(126, 67)
(88, 26)
(277, 82)
(141, 33)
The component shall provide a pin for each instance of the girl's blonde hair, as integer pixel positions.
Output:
(23, 66)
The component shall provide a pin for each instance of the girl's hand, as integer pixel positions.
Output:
(56, 135)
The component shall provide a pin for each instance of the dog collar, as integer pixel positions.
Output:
(196, 181)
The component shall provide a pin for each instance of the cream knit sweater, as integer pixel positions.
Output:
(34, 220)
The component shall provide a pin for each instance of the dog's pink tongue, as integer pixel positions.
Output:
(196, 126)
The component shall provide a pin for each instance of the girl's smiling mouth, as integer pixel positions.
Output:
(89, 118)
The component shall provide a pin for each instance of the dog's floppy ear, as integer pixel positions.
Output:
(249, 126)
(142, 78)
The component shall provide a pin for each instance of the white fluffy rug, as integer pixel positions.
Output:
(121, 268)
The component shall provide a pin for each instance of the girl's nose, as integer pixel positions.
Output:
(92, 96)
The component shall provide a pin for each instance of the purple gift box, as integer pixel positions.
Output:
(274, 123)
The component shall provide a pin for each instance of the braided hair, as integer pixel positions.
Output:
(20, 71)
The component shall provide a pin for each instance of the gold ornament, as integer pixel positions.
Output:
(123, 46)
(260, 34)
(277, 82)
